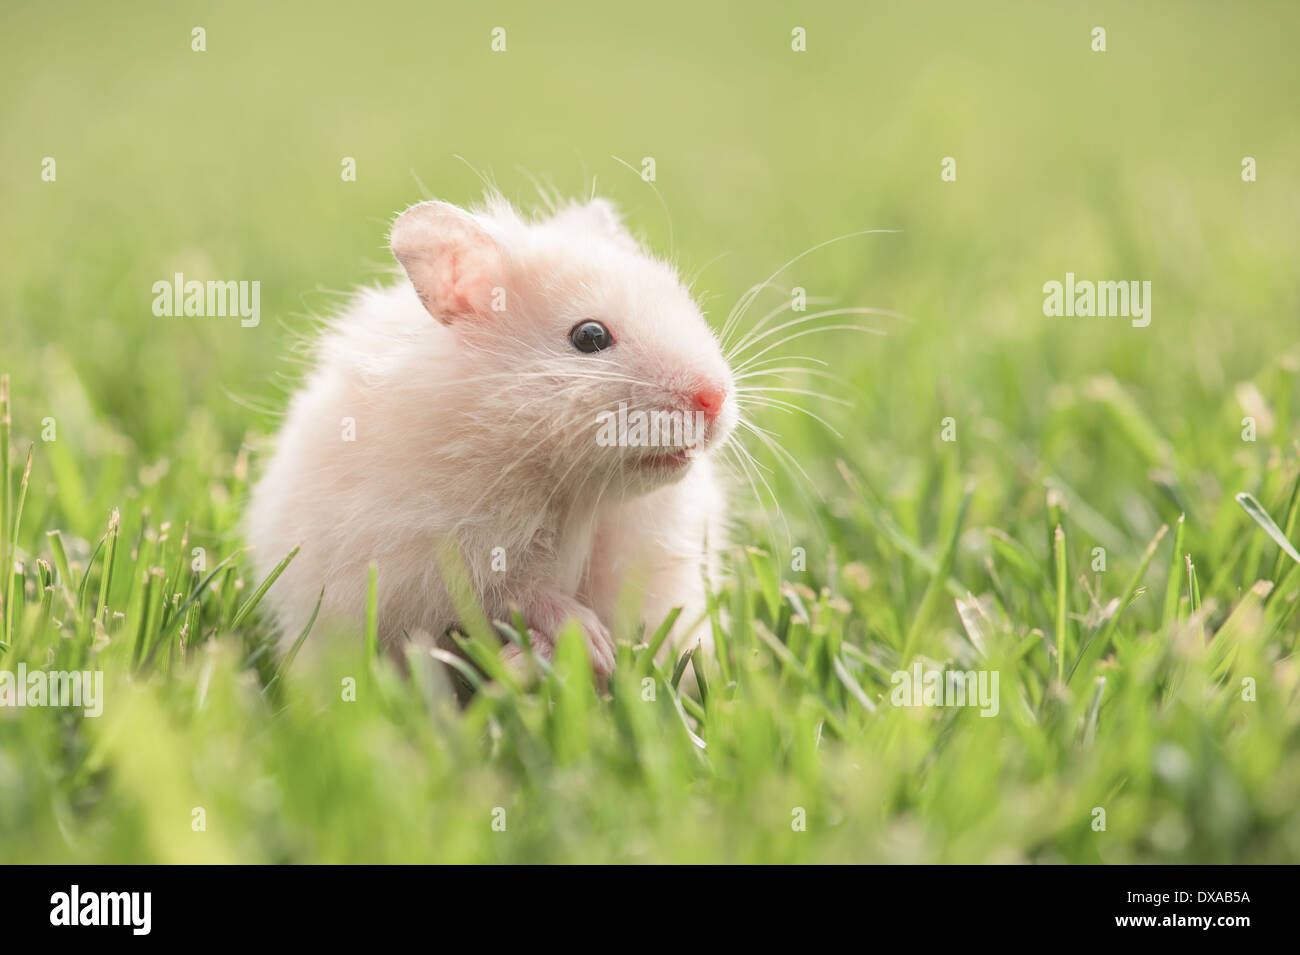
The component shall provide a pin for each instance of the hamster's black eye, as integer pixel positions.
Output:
(590, 336)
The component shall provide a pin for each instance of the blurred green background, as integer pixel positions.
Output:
(1121, 165)
(1117, 165)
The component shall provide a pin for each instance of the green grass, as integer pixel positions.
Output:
(1120, 689)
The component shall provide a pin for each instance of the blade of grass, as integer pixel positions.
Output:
(1173, 588)
(467, 672)
(939, 579)
(1058, 550)
(142, 625)
(769, 582)
(1292, 509)
(4, 482)
(1194, 592)
(287, 661)
(10, 610)
(1094, 648)
(852, 685)
(106, 579)
(793, 666)
(888, 527)
(242, 614)
(61, 564)
(83, 588)
(700, 681)
(680, 668)
(1262, 518)
(657, 641)
(180, 611)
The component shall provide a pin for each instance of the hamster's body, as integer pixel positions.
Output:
(479, 429)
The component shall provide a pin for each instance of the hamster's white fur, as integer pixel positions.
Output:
(453, 407)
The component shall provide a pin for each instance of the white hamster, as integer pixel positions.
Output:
(496, 398)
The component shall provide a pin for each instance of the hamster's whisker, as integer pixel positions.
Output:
(789, 407)
(608, 474)
(572, 422)
(751, 340)
(748, 297)
(672, 242)
(559, 483)
(754, 368)
(734, 459)
(556, 365)
(587, 375)
(782, 453)
(757, 470)
(744, 366)
(758, 334)
(785, 306)
(729, 326)
(792, 372)
(251, 406)
(695, 276)
(576, 420)
(796, 391)
(524, 407)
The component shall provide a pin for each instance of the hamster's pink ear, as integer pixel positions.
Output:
(452, 262)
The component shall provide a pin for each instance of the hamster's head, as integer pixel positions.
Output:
(589, 351)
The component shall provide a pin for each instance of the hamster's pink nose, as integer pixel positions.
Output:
(709, 398)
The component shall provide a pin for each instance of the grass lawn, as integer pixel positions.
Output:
(1051, 499)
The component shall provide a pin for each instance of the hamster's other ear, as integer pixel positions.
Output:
(452, 262)
(605, 216)
(600, 216)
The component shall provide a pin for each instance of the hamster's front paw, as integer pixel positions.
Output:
(546, 615)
